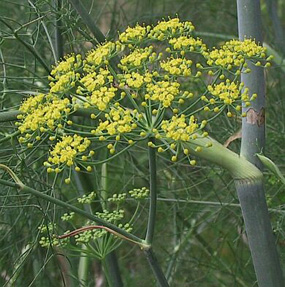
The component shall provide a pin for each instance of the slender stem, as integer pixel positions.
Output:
(113, 270)
(58, 31)
(155, 267)
(104, 181)
(153, 194)
(9, 136)
(87, 19)
(9, 116)
(122, 233)
(106, 272)
(83, 267)
(111, 261)
(27, 45)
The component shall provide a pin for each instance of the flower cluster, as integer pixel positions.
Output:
(101, 55)
(234, 53)
(228, 94)
(187, 44)
(97, 89)
(87, 198)
(66, 151)
(118, 121)
(178, 129)
(137, 58)
(118, 197)
(139, 193)
(134, 35)
(129, 86)
(50, 239)
(177, 66)
(64, 76)
(162, 91)
(171, 28)
(43, 112)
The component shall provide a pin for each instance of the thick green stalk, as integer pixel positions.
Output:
(253, 125)
(251, 192)
(259, 233)
(249, 184)
(237, 165)
(9, 116)
(104, 182)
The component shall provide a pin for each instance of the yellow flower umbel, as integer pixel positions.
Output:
(97, 87)
(43, 112)
(229, 94)
(137, 58)
(99, 56)
(163, 91)
(178, 129)
(134, 35)
(187, 44)
(67, 150)
(177, 66)
(130, 85)
(234, 53)
(171, 28)
(64, 76)
(118, 121)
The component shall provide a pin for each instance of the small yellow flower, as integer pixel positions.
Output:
(178, 129)
(66, 150)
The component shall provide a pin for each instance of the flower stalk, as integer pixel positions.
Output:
(153, 194)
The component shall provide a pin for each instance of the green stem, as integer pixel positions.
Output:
(9, 136)
(237, 165)
(112, 266)
(153, 194)
(113, 270)
(251, 191)
(120, 232)
(259, 233)
(253, 125)
(106, 273)
(155, 267)
(104, 181)
(9, 116)
(83, 267)
(58, 40)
